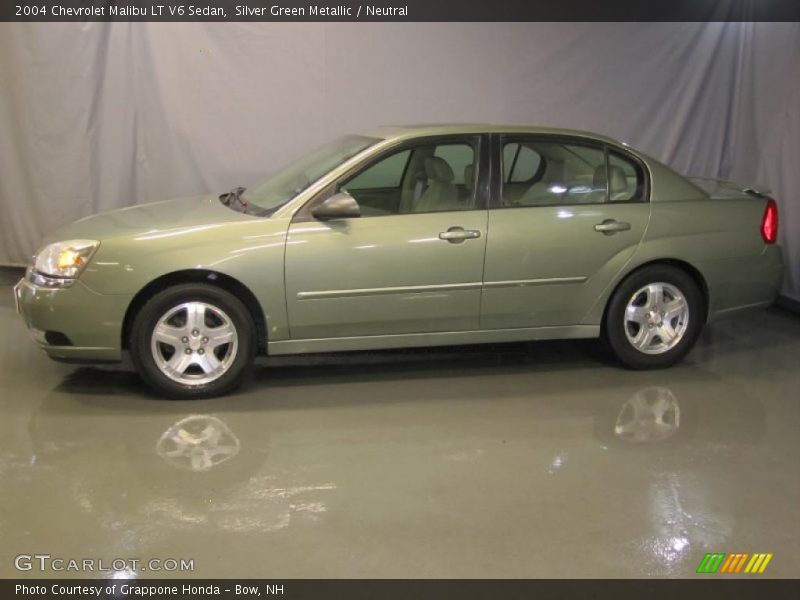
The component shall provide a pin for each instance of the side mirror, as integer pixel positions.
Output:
(338, 206)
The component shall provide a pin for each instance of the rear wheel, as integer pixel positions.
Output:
(654, 317)
(193, 341)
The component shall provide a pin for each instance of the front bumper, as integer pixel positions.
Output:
(73, 324)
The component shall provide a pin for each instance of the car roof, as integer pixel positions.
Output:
(402, 132)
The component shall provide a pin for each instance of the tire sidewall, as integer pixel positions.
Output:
(149, 315)
(614, 325)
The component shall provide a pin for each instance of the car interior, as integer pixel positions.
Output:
(548, 173)
(423, 179)
(434, 178)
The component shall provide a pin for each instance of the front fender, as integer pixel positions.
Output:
(250, 252)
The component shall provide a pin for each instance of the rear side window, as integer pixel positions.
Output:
(548, 172)
(520, 163)
(553, 173)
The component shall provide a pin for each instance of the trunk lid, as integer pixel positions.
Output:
(724, 189)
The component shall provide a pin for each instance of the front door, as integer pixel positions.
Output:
(412, 263)
(568, 216)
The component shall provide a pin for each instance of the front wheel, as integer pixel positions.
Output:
(193, 341)
(654, 317)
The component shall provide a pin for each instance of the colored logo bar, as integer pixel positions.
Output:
(737, 562)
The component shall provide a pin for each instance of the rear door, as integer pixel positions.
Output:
(565, 218)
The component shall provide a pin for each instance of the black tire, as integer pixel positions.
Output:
(148, 317)
(614, 332)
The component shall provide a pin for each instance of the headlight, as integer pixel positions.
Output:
(65, 260)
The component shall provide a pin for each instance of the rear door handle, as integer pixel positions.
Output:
(611, 226)
(456, 235)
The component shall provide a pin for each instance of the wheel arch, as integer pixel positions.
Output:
(684, 266)
(221, 280)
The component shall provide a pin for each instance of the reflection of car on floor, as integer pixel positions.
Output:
(161, 471)
(184, 447)
(134, 473)
(655, 417)
(409, 237)
(170, 450)
(198, 443)
(650, 416)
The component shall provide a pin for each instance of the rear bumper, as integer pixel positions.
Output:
(73, 324)
(743, 283)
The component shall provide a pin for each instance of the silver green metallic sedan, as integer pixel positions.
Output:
(408, 237)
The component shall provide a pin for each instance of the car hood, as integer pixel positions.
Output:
(167, 217)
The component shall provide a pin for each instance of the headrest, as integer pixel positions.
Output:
(618, 183)
(469, 176)
(437, 169)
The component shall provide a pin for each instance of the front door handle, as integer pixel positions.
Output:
(611, 226)
(456, 235)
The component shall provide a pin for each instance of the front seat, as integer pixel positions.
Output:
(441, 193)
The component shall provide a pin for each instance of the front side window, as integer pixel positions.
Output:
(387, 174)
(546, 173)
(460, 158)
(425, 178)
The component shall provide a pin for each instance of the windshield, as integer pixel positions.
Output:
(285, 184)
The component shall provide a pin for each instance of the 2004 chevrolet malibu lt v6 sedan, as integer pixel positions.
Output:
(408, 237)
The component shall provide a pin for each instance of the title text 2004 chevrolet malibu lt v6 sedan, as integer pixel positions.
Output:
(408, 237)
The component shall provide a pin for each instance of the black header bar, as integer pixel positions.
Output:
(400, 10)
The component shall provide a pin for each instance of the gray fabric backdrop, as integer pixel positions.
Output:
(96, 116)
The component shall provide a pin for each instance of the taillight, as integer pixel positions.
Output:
(769, 222)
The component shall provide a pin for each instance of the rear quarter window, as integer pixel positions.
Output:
(626, 179)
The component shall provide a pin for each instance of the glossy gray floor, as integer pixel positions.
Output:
(503, 461)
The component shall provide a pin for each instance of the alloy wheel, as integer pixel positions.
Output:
(656, 318)
(194, 343)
